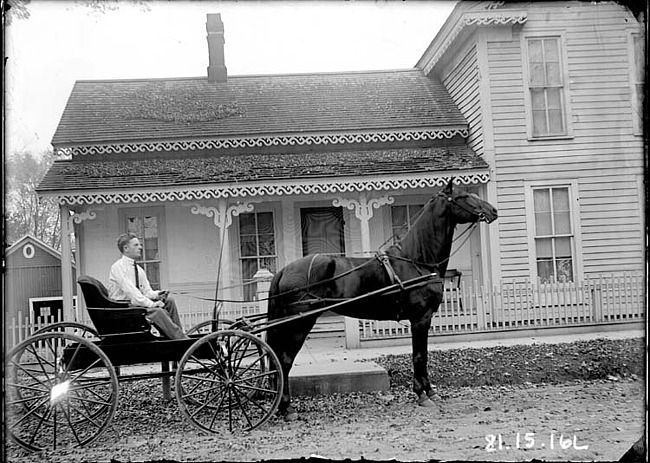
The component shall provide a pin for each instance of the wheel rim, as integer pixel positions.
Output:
(61, 391)
(229, 381)
(206, 327)
(75, 328)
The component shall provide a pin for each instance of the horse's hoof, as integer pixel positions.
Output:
(426, 402)
(290, 414)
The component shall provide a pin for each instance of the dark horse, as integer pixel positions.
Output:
(317, 281)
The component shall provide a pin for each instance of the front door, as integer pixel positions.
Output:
(322, 230)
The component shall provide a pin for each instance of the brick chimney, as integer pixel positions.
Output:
(217, 71)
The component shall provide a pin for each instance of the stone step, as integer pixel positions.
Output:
(337, 377)
(326, 327)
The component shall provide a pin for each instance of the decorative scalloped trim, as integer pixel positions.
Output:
(241, 191)
(293, 140)
(480, 18)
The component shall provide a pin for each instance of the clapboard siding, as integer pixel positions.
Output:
(602, 153)
(462, 82)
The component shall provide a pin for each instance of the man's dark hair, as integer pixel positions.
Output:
(124, 239)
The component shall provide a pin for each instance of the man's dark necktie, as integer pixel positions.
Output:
(137, 277)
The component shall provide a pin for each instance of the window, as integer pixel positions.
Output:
(638, 77)
(402, 218)
(546, 87)
(257, 248)
(553, 234)
(322, 230)
(146, 226)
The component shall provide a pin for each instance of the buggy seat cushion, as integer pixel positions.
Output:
(109, 316)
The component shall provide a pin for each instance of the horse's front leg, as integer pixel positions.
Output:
(420, 338)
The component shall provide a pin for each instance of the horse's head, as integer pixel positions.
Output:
(467, 207)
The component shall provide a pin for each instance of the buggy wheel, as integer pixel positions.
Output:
(61, 391)
(210, 326)
(78, 329)
(229, 381)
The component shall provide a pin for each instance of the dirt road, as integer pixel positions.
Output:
(578, 421)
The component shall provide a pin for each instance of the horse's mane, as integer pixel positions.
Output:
(429, 239)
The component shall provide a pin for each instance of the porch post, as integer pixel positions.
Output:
(66, 265)
(223, 215)
(364, 210)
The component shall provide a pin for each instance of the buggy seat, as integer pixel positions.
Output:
(114, 320)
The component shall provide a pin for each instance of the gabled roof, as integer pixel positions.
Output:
(158, 114)
(35, 241)
(464, 19)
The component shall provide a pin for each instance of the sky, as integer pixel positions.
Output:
(65, 41)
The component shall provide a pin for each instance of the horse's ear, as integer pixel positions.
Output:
(450, 187)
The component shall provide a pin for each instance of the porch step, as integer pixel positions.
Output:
(332, 326)
(337, 377)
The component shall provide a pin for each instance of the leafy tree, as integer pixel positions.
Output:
(25, 212)
(19, 9)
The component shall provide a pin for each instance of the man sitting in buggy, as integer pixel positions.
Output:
(128, 281)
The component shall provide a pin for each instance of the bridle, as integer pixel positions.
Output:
(480, 215)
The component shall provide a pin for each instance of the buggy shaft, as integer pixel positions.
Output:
(406, 285)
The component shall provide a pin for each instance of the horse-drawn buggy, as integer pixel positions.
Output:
(62, 383)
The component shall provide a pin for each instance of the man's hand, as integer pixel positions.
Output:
(162, 295)
(159, 304)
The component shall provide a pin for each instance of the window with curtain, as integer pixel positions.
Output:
(146, 226)
(553, 234)
(322, 230)
(257, 248)
(402, 218)
(546, 86)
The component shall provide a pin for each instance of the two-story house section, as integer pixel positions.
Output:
(552, 92)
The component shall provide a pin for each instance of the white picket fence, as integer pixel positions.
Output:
(522, 305)
(467, 309)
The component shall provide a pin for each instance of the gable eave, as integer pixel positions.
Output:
(243, 142)
(462, 24)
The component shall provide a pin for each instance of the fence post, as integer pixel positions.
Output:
(597, 301)
(352, 340)
(480, 307)
(263, 278)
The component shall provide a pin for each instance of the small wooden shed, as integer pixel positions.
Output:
(33, 282)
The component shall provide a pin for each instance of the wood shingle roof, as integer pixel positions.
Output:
(179, 109)
(205, 170)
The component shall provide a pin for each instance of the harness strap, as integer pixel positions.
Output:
(385, 261)
(394, 279)
(311, 264)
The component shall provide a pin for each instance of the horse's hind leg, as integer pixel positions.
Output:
(286, 340)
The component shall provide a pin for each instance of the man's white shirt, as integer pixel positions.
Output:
(121, 284)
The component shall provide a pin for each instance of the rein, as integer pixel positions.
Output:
(381, 257)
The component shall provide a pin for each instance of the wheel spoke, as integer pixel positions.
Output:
(242, 408)
(259, 359)
(255, 402)
(216, 412)
(40, 423)
(242, 389)
(209, 368)
(51, 409)
(70, 424)
(256, 388)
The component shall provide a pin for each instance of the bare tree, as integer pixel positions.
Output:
(25, 212)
